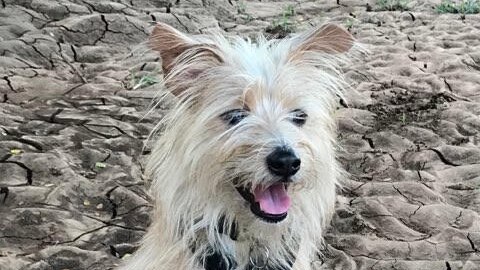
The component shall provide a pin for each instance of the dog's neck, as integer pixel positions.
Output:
(214, 260)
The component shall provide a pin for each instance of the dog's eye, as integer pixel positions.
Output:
(299, 117)
(234, 117)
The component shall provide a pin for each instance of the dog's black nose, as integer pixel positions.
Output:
(283, 162)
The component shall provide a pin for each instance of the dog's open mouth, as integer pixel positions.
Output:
(269, 203)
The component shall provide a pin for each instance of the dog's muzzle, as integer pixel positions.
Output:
(272, 202)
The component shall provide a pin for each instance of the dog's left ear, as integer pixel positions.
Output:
(329, 38)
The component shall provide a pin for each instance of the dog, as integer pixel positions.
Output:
(244, 174)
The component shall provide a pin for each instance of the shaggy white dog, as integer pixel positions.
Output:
(244, 173)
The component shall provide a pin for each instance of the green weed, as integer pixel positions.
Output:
(393, 5)
(349, 23)
(145, 81)
(241, 7)
(284, 25)
(462, 7)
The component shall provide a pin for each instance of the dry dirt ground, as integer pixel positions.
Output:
(72, 96)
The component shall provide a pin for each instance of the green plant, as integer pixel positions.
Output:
(285, 24)
(463, 7)
(403, 118)
(289, 11)
(241, 7)
(144, 81)
(393, 5)
(349, 23)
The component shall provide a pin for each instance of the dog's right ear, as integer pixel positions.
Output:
(195, 56)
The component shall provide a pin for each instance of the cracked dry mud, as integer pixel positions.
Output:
(72, 194)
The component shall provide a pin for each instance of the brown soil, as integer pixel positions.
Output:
(72, 194)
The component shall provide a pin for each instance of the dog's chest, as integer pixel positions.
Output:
(240, 257)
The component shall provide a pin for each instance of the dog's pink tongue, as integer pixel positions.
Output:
(273, 200)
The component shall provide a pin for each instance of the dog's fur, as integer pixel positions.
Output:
(199, 159)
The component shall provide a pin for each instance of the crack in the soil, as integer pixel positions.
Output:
(32, 143)
(23, 166)
(5, 98)
(82, 234)
(472, 244)
(352, 202)
(373, 265)
(26, 63)
(107, 157)
(74, 51)
(71, 30)
(49, 59)
(457, 220)
(5, 191)
(66, 8)
(413, 16)
(443, 158)
(411, 200)
(110, 126)
(420, 178)
(342, 102)
(447, 264)
(73, 89)
(447, 84)
(89, 6)
(9, 83)
(180, 22)
(104, 31)
(108, 223)
(52, 117)
(107, 29)
(364, 160)
(356, 188)
(114, 251)
(67, 61)
(106, 136)
(414, 212)
(112, 203)
(392, 157)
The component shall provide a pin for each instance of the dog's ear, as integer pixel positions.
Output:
(329, 38)
(171, 44)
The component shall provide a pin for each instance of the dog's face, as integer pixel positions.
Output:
(257, 117)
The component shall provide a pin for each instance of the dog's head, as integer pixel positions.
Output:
(253, 133)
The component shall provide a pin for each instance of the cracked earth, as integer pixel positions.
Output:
(76, 79)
